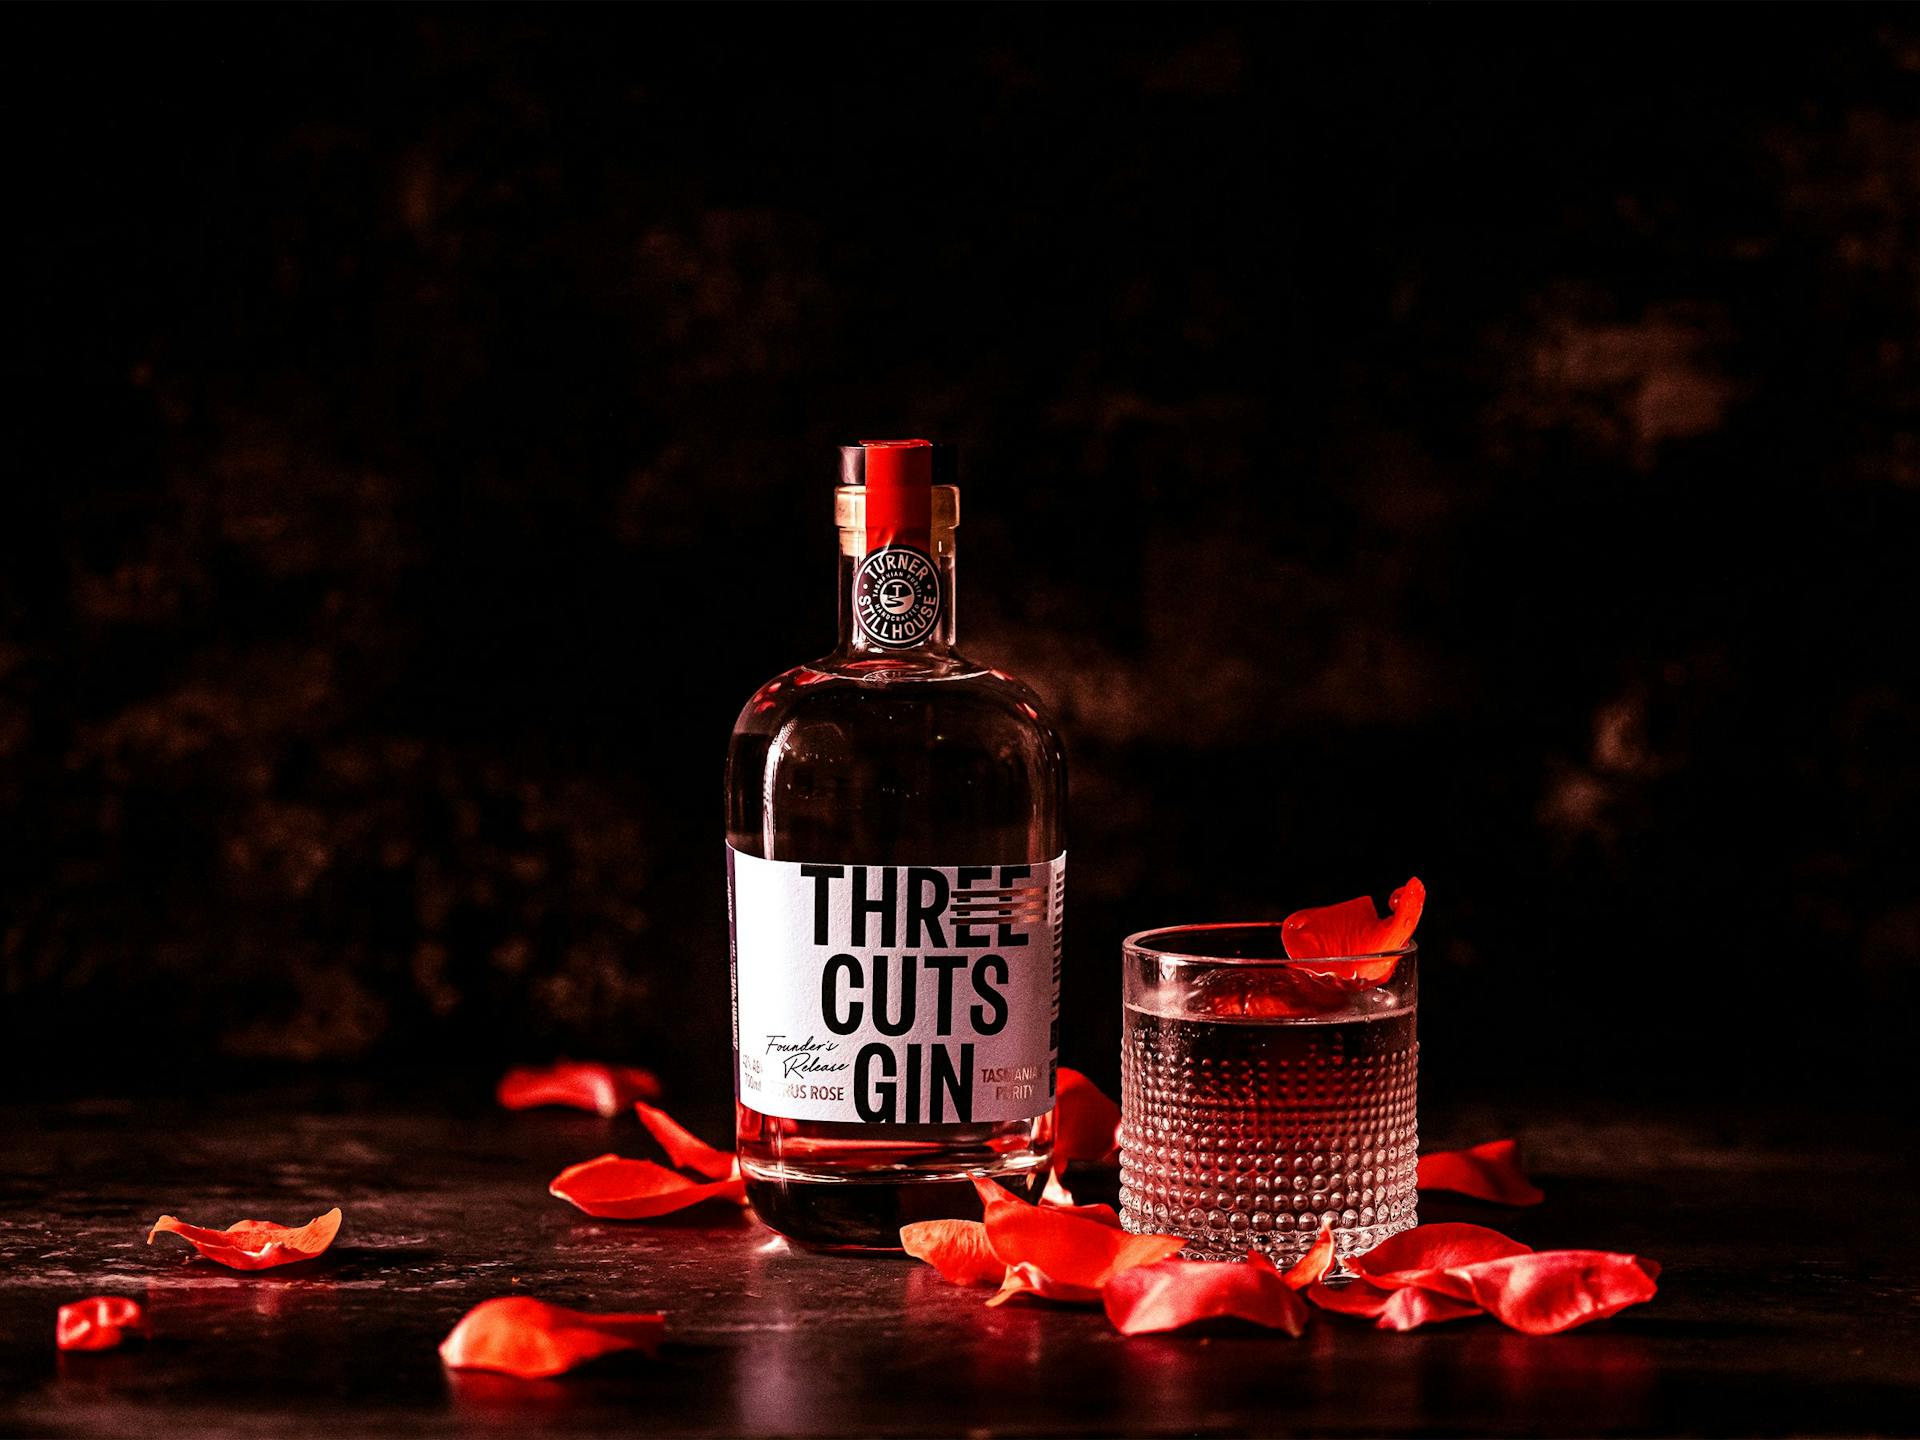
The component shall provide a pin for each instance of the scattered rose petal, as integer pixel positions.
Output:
(995, 1198)
(1175, 1293)
(1056, 1196)
(1086, 1122)
(1434, 1273)
(1555, 1290)
(1100, 1214)
(1414, 1259)
(1026, 1278)
(1057, 1254)
(1432, 1248)
(1486, 1172)
(603, 1089)
(958, 1249)
(1353, 929)
(683, 1147)
(1312, 1267)
(610, 1187)
(518, 1335)
(1402, 1305)
(1358, 1296)
(1412, 1306)
(100, 1322)
(255, 1244)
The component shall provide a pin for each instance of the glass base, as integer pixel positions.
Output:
(1282, 1250)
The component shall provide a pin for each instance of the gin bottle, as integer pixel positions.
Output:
(896, 877)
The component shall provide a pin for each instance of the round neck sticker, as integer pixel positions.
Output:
(897, 595)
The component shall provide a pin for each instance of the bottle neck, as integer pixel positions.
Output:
(897, 600)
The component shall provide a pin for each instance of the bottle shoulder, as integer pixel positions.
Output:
(842, 685)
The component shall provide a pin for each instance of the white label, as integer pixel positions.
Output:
(896, 994)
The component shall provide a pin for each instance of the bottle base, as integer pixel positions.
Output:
(863, 1217)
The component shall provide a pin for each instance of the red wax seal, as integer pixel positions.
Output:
(899, 479)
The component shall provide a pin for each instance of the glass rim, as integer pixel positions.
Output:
(1142, 943)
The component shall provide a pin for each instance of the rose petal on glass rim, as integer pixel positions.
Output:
(1431, 1248)
(1352, 928)
(100, 1322)
(958, 1249)
(255, 1244)
(611, 1187)
(518, 1335)
(1086, 1123)
(1555, 1290)
(1312, 1267)
(683, 1147)
(1176, 1293)
(1284, 992)
(1066, 1252)
(581, 1085)
(1486, 1172)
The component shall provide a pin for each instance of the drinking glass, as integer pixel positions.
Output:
(1261, 1095)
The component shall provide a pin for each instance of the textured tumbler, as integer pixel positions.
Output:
(1262, 1095)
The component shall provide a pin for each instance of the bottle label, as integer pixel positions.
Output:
(897, 596)
(896, 994)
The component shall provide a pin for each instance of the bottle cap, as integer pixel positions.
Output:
(858, 461)
(899, 476)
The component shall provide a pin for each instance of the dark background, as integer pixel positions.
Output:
(1476, 444)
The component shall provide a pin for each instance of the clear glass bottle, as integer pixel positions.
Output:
(896, 971)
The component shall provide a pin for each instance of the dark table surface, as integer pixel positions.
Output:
(1788, 1302)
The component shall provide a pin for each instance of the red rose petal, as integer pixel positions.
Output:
(1312, 1267)
(1431, 1248)
(255, 1244)
(683, 1147)
(1486, 1172)
(1100, 1214)
(100, 1322)
(958, 1249)
(518, 1335)
(612, 1188)
(1067, 1254)
(1391, 1307)
(1056, 1196)
(603, 1089)
(995, 1198)
(1358, 1296)
(1412, 1306)
(1352, 928)
(1283, 992)
(1434, 1273)
(1027, 1278)
(1555, 1290)
(1086, 1123)
(1175, 1293)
